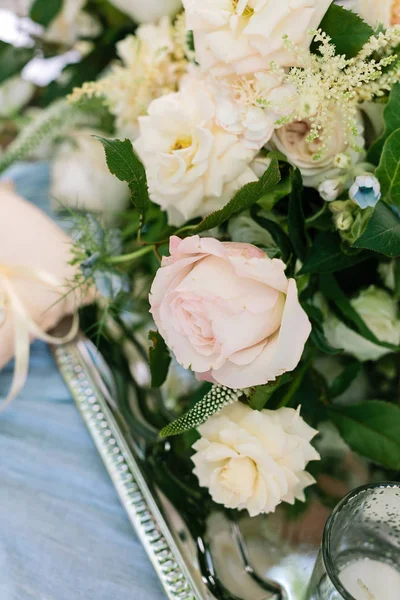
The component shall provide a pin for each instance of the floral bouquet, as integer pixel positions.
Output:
(248, 224)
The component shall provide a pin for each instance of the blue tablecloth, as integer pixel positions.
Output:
(63, 533)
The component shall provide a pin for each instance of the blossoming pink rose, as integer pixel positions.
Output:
(228, 312)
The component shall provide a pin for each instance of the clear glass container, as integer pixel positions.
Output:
(360, 554)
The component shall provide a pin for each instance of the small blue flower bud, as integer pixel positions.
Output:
(365, 191)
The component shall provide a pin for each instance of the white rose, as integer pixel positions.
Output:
(14, 94)
(147, 11)
(254, 460)
(193, 165)
(379, 311)
(81, 179)
(244, 36)
(375, 12)
(291, 140)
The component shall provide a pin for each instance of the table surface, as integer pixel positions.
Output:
(63, 533)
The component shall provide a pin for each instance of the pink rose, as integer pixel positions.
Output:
(228, 312)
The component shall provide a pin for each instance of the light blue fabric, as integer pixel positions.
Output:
(63, 533)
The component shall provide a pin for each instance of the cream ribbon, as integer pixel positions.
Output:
(24, 325)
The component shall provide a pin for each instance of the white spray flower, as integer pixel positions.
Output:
(330, 189)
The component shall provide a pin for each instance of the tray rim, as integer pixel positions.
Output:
(125, 473)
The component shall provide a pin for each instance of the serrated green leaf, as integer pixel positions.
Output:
(388, 171)
(326, 255)
(391, 117)
(332, 292)
(44, 11)
(281, 190)
(243, 199)
(371, 429)
(343, 381)
(159, 358)
(12, 60)
(124, 163)
(260, 395)
(347, 30)
(280, 238)
(296, 221)
(382, 233)
(212, 403)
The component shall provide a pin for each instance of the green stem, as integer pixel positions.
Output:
(186, 228)
(132, 256)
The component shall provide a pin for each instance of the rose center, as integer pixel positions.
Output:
(182, 142)
(246, 12)
(239, 475)
(395, 14)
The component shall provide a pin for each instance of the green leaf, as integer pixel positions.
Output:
(343, 381)
(388, 171)
(280, 238)
(243, 199)
(382, 233)
(12, 60)
(124, 163)
(160, 359)
(347, 30)
(317, 336)
(392, 122)
(331, 290)
(371, 429)
(326, 255)
(259, 396)
(296, 221)
(213, 402)
(397, 278)
(44, 11)
(281, 190)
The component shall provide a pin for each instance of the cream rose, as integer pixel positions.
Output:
(291, 140)
(379, 310)
(193, 165)
(81, 179)
(228, 312)
(147, 11)
(255, 460)
(245, 36)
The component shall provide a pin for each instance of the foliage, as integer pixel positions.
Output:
(212, 403)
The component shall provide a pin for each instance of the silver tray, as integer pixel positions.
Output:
(246, 559)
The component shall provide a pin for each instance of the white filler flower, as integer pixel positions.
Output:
(244, 36)
(193, 165)
(255, 460)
